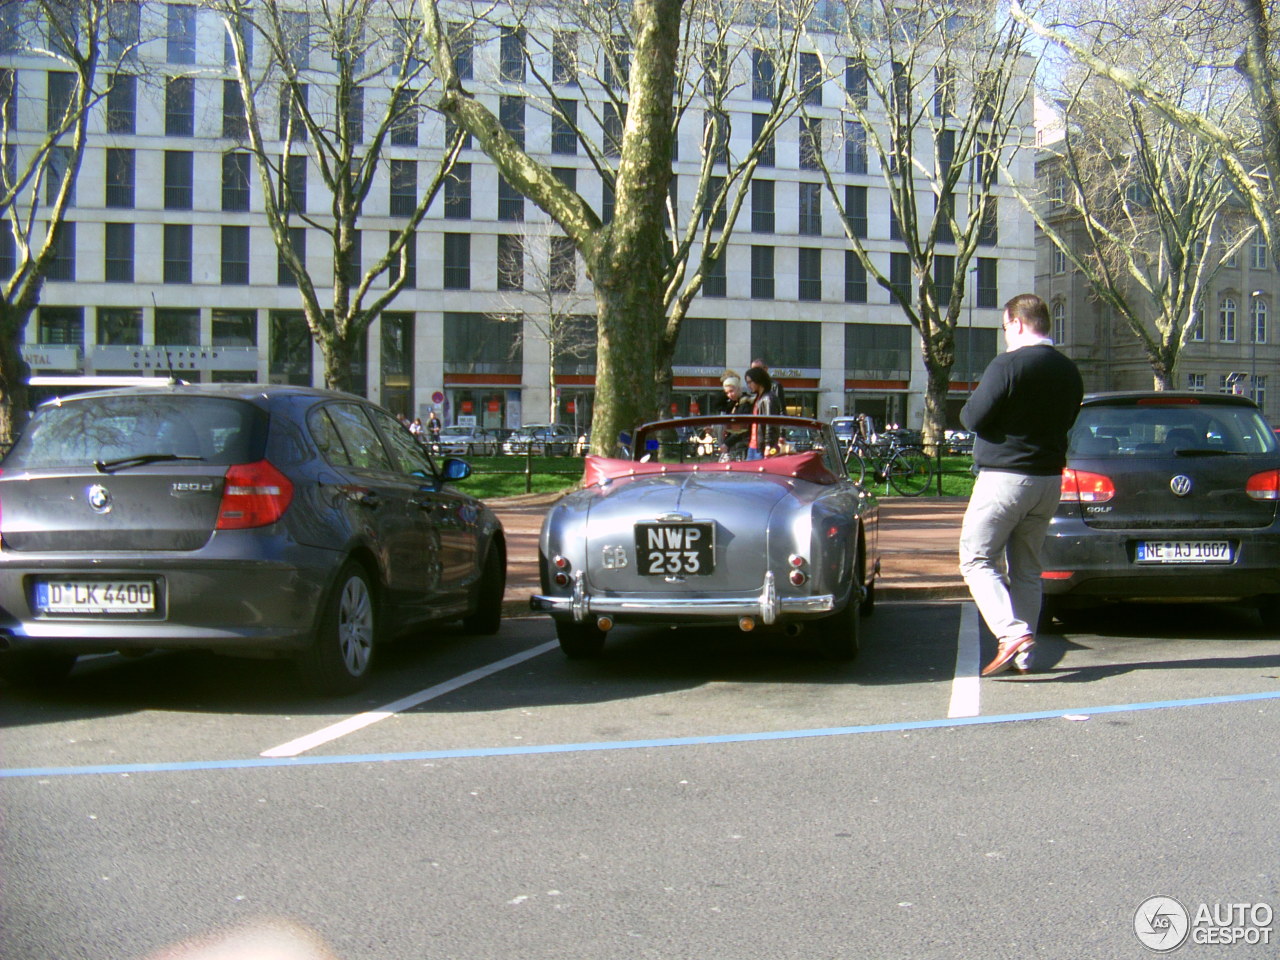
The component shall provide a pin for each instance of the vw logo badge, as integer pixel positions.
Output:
(1180, 485)
(99, 498)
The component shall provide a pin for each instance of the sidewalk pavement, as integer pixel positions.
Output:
(919, 539)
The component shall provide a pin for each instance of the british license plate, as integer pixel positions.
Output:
(1184, 551)
(676, 549)
(101, 597)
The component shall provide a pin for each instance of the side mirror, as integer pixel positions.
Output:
(455, 469)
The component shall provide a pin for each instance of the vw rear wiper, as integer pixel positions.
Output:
(107, 466)
(1204, 452)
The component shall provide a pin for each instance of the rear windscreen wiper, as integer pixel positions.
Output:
(1204, 452)
(107, 466)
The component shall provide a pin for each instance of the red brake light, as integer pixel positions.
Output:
(254, 495)
(1264, 486)
(1081, 486)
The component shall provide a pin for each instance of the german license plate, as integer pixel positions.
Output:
(675, 549)
(101, 597)
(1184, 551)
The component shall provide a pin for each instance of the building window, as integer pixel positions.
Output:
(511, 117)
(296, 34)
(855, 147)
(452, 131)
(1196, 325)
(855, 278)
(787, 343)
(564, 122)
(293, 188)
(899, 278)
(355, 114)
(235, 181)
(811, 78)
(878, 351)
(989, 227)
(510, 262)
(457, 261)
(715, 283)
(1258, 252)
(988, 293)
(612, 120)
(122, 104)
(1227, 320)
(855, 210)
(179, 107)
(762, 220)
(409, 254)
(235, 255)
(511, 56)
(811, 209)
(57, 166)
(767, 152)
(481, 343)
(810, 273)
(121, 168)
(617, 64)
(179, 182)
(177, 253)
(62, 265)
(118, 253)
(404, 188)
(510, 201)
(177, 327)
(124, 29)
(61, 89)
(1059, 316)
(761, 273)
(234, 124)
(119, 327)
(855, 82)
(1059, 260)
(564, 58)
(944, 278)
(1258, 320)
(457, 193)
(562, 272)
(293, 103)
(298, 243)
(1258, 390)
(235, 328)
(403, 130)
(60, 326)
(715, 135)
(761, 75)
(895, 225)
(244, 30)
(810, 143)
(180, 44)
(353, 270)
(462, 40)
(700, 343)
(289, 348)
(566, 175)
(1195, 381)
(8, 254)
(944, 93)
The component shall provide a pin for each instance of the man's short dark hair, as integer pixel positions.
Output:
(761, 376)
(1032, 311)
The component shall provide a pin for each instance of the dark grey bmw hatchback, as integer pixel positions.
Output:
(1167, 496)
(241, 519)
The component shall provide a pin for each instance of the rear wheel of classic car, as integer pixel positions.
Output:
(487, 617)
(339, 660)
(579, 641)
(839, 636)
(35, 669)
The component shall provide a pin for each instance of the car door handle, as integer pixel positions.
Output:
(361, 495)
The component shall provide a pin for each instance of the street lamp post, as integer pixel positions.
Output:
(973, 295)
(1254, 300)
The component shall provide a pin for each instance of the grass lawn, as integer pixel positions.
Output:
(495, 477)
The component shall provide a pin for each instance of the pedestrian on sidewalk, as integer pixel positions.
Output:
(1021, 412)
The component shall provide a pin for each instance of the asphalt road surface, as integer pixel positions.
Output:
(693, 794)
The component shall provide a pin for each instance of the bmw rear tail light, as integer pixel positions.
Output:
(1264, 486)
(1081, 486)
(254, 495)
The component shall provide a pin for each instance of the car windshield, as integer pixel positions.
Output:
(1169, 429)
(711, 439)
(128, 427)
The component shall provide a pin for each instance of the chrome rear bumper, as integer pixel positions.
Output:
(766, 605)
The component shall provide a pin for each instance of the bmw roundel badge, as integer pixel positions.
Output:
(99, 498)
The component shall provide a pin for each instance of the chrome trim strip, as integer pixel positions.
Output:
(695, 606)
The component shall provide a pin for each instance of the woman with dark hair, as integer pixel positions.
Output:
(761, 384)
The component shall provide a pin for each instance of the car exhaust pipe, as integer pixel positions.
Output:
(746, 624)
(794, 629)
(604, 624)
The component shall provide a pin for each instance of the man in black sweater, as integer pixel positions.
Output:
(1021, 411)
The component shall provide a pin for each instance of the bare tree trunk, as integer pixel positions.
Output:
(13, 372)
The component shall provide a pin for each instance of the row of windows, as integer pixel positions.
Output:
(1255, 387)
(1259, 256)
(1227, 330)
(178, 264)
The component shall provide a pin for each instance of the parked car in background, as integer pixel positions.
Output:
(1167, 496)
(541, 440)
(463, 441)
(235, 518)
(958, 441)
(674, 536)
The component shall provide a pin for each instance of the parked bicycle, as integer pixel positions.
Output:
(908, 469)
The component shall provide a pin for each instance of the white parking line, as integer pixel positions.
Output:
(362, 720)
(965, 687)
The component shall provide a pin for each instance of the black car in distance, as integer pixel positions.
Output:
(263, 521)
(1167, 496)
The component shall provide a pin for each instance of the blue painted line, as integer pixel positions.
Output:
(249, 763)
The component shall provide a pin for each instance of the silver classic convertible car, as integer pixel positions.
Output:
(688, 530)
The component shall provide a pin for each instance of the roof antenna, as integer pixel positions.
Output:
(168, 354)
